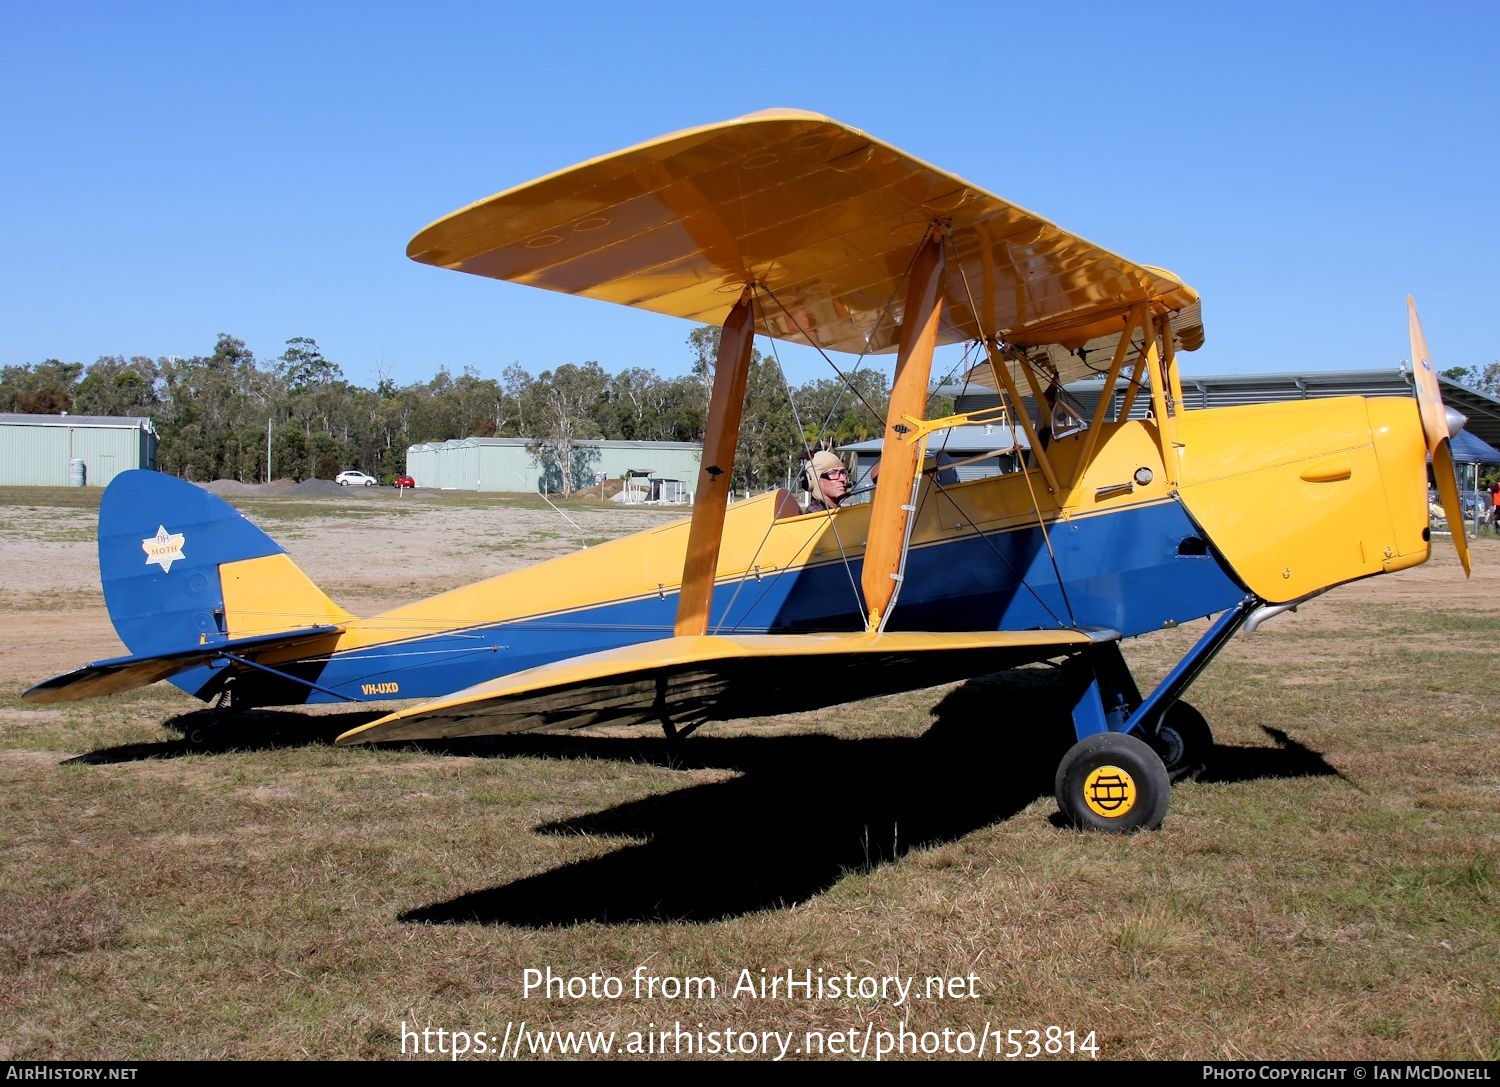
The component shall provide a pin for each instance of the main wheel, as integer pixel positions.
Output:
(1113, 782)
(1184, 741)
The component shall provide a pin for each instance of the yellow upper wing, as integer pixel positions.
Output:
(821, 217)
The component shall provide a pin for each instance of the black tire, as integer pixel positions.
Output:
(1113, 782)
(1184, 742)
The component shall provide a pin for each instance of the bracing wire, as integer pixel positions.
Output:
(1030, 483)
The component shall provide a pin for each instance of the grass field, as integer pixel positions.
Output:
(1328, 890)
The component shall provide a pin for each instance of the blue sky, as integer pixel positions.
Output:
(173, 171)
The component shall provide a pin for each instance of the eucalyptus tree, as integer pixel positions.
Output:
(116, 386)
(47, 388)
(211, 413)
(769, 447)
(559, 410)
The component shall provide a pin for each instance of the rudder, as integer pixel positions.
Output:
(181, 567)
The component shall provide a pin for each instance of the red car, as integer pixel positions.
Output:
(405, 481)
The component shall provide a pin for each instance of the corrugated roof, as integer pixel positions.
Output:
(1230, 390)
(134, 422)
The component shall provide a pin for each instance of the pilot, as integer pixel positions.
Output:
(827, 482)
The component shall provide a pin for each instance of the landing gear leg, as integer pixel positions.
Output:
(676, 732)
(1109, 780)
(1112, 782)
(675, 735)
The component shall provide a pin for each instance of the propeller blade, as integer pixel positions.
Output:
(1435, 421)
(1437, 428)
(1453, 510)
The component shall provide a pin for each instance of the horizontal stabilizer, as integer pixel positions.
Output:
(127, 673)
(687, 680)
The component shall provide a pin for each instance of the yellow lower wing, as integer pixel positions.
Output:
(686, 680)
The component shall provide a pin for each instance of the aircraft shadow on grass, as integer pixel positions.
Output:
(205, 732)
(805, 811)
(808, 810)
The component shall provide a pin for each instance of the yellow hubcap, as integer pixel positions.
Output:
(1109, 792)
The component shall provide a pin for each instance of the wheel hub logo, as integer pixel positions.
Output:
(1109, 791)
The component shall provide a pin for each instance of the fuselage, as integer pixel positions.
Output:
(1276, 500)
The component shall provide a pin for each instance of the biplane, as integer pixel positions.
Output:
(789, 225)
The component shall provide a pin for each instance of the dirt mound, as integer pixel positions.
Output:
(606, 490)
(232, 487)
(316, 487)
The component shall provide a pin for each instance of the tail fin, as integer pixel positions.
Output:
(182, 568)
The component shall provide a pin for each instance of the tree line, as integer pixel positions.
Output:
(213, 413)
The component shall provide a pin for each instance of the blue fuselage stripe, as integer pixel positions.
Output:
(1132, 571)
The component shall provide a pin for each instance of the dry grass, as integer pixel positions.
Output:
(1327, 891)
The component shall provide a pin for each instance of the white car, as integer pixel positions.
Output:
(354, 479)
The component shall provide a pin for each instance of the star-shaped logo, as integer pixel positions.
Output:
(164, 548)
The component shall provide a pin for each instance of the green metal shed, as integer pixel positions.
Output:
(669, 469)
(72, 450)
